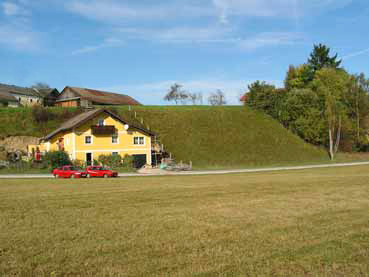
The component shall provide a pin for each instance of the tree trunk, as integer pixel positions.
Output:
(331, 152)
(338, 137)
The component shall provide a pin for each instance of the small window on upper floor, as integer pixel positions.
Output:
(88, 140)
(138, 140)
(101, 122)
(114, 139)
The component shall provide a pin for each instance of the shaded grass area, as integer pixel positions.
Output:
(310, 222)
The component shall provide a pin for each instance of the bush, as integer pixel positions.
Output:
(57, 158)
(41, 114)
(110, 160)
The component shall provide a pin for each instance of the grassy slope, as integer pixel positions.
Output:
(210, 137)
(300, 223)
(230, 136)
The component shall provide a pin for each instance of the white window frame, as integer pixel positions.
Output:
(91, 140)
(115, 153)
(117, 136)
(139, 139)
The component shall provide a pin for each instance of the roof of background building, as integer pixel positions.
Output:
(103, 97)
(7, 97)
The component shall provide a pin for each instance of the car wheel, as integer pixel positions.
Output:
(106, 176)
(88, 176)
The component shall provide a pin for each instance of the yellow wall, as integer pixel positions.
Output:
(75, 146)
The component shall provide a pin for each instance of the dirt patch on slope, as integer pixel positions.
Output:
(17, 143)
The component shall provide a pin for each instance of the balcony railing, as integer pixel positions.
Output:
(103, 130)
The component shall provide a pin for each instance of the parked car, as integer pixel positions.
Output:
(100, 171)
(69, 171)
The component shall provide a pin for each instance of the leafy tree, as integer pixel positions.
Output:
(302, 114)
(320, 58)
(217, 98)
(57, 158)
(298, 77)
(266, 97)
(331, 85)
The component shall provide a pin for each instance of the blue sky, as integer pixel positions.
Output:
(141, 47)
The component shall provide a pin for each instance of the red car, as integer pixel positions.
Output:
(69, 171)
(99, 171)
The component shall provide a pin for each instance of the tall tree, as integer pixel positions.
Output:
(331, 86)
(320, 58)
(175, 93)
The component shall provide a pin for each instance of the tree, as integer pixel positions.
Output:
(320, 58)
(297, 77)
(331, 85)
(174, 93)
(266, 97)
(217, 98)
(40, 85)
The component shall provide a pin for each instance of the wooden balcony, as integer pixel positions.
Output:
(103, 130)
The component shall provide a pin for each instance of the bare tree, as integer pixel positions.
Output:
(40, 85)
(174, 93)
(217, 98)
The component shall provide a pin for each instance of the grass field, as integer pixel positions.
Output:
(310, 222)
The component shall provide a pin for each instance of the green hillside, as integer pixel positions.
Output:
(231, 136)
(208, 136)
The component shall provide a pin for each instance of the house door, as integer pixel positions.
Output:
(139, 161)
(88, 159)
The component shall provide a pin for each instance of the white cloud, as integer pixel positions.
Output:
(19, 38)
(266, 8)
(107, 43)
(13, 9)
(268, 39)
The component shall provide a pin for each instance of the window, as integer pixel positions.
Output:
(88, 140)
(138, 140)
(115, 153)
(114, 139)
(101, 122)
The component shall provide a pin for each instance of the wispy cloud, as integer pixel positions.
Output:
(269, 39)
(19, 37)
(355, 54)
(107, 43)
(13, 9)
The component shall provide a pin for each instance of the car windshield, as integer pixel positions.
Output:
(73, 168)
(99, 168)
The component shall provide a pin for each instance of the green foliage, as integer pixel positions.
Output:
(110, 160)
(57, 158)
(320, 58)
(298, 77)
(267, 98)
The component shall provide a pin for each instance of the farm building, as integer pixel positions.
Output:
(83, 97)
(7, 100)
(30, 96)
(98, 132)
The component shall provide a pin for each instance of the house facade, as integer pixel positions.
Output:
(99, 132)
(30, 96)
(84, 97)
(8, 100)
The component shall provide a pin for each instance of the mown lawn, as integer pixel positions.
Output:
(310, 222)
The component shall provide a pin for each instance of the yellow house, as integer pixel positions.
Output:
(99, 132)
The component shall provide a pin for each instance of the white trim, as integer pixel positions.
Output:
(92, 140)
(113, 150)
(48, 146)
